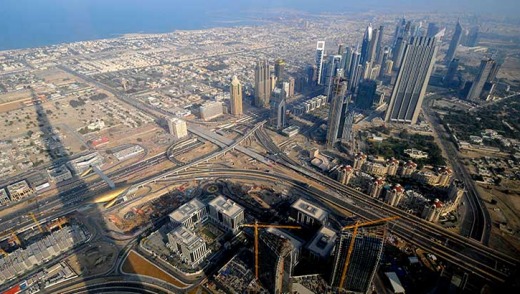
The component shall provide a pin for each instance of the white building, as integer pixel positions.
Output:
(81, 164)
(226, 213)
(178, 128)
(59, 173)
(190, 247)
(210, 110)
(308, 214)
(190, 214)
(322, 244)
(19, 190)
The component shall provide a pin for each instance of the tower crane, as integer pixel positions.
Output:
(257, 226)
(31, 214)
(353, 240)
(15, 238)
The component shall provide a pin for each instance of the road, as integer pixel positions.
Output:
(480, 228)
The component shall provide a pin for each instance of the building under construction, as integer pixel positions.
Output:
(364, 259)
(276, 264)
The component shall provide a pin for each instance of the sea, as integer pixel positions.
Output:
(35, 23)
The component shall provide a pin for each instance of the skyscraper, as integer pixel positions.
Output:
(366, 44)
(433, 29)
(262, 84)
(335, 113)
(372, 51)
(379, 49)
(398, 52)
(365, 95)
(472, 39)
(333, 65)
(236, 97)
(455, 40)
(320, 51)
(279, 68)
(355, 71)
(452, 71)
(276, 263)
(278, 108)
(486, 75)
(384, 64)
(412, 79)
(346, 60)
(365, 257)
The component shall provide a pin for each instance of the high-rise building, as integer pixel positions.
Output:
(399, 30)
(379, 48)
(398, 52)
(452, 72)
(412, 79)
(455, 40)
(384, 64)
(359, 160)
(278, 108)
(486, 74)
(433, 29)
(320, 52)
(366, 44)
(333, 65)
(365, 257)
(341, 49)
(236, 97)
(356, 69)
(346, 59)
(365, 95)
(372, 52)
(333, 125)
(177, 128)
(308, 214)
(279, 69)
(292, 82)
(262, 84)
(472, 38)
(276, 262)
(347, 122)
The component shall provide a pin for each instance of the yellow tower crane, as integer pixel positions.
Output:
(36, 221)
(257, 226)
(353, 239)
(2, 251)
(15, 238)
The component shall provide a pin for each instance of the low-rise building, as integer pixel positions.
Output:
(19, 190)
(291, 131)
(226, 213)
(60, 173)
(82, 163)
(128, 152)
(308, 214)
(4, 198)
(210, 110)
(190, 214)
(416, 154)
(190, 247)
(322, 244)
(375, 168)
(408, 169)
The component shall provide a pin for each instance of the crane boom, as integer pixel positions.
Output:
(257, 226)
(36, 222)
(372, 222)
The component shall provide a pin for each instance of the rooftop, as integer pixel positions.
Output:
(187, 237)
(310, 209)
(323, 242)
(226, 206)
(186, 210)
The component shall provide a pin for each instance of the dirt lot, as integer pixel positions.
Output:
(506, 212)
(136, 264)
(97, 259)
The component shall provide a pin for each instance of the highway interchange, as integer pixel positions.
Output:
(467, 253)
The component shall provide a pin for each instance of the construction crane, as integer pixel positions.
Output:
(2, 251)
(31, 214)
(15, 238)
(257, 226)
(353, 240)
